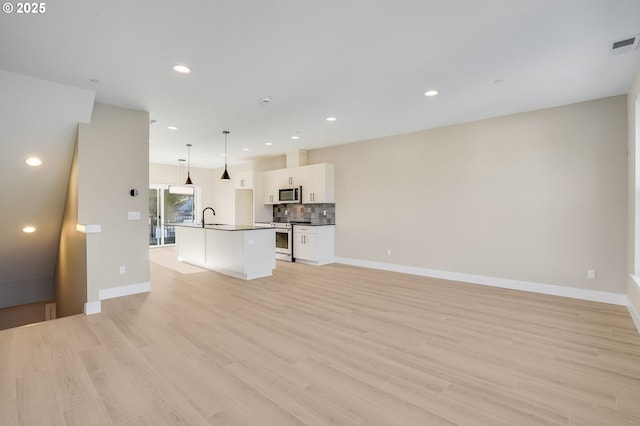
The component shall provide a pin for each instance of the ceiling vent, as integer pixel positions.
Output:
(625, 45)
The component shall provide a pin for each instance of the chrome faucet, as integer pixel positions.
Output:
(205, 209)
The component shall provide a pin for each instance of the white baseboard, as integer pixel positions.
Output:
(634, 316)
(91, 308)
(109, 293)
(125, 290)
(320, 262)
(550, 289)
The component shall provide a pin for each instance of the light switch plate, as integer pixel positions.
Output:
(133, 215)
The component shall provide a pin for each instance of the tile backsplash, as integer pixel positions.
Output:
(313, 213)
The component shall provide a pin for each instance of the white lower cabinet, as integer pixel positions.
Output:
(314, 244)
(304, 246)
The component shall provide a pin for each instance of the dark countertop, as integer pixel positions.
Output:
(311, 224)
(301, 223)
(223, 227)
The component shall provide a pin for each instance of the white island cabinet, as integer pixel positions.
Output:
(244, 252)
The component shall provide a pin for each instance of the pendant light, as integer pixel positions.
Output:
(225, 175)
(188, 181)
(181, 189)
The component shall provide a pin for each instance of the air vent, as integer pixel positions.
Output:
(625, 45)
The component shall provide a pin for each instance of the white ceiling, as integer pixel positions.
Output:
(366, 62)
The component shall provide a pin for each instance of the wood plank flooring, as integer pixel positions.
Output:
(332, 345)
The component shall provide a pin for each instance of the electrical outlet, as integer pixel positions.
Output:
(591, 273)
(286, 211)
(324, 212)
(123, 270)
(388, 252)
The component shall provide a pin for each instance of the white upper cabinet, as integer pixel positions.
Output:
(290, 177)
(243, 180)
(252, 179)
(270, 182)
(317, 182)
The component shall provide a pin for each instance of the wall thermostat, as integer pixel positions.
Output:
(133, 192)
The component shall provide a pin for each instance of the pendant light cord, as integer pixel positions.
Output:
(188, 182)
(225, 175)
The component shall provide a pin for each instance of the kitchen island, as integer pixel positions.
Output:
(245, 252)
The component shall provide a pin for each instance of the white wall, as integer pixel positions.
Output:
(538, 197)
(113, 157)
(633, 241)
(216, 193)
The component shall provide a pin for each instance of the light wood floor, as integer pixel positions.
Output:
(334, 345)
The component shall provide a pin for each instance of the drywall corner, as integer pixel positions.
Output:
(113, 159)
(70, 276)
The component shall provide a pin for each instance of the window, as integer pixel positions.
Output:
(168, 206)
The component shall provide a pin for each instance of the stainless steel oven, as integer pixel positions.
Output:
(284, 241)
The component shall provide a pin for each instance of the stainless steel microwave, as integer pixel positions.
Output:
(290, 195)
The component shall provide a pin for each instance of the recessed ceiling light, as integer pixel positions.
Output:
(29, 229)
(245, 149)
(182, 69)
(172, 128)
(331, 118)
(33, 161)
(295, 137)
(431, 93)
(268, 143)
